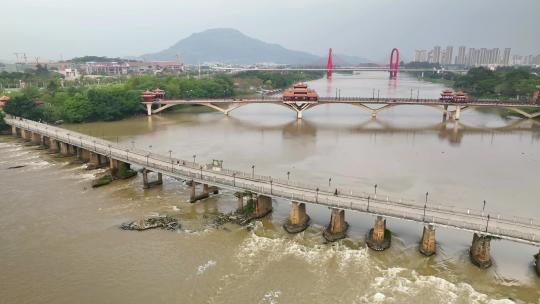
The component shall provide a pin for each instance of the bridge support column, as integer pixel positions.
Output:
(262, 206)
(445, 113)
(147, 184)
(53, 145)
(240, 197)
(537, 262)
(337, 228)
(14, 131)
(120, 169)
(298, 219)
(96, 160)
(479, 252)
(428, 244)
(458, 113)
(44, 141)
(26, 135)
(36, 138)
(299, 114)
(149, 109)
(72, 150)
(83, 154)
(64, 150)
(379, 237)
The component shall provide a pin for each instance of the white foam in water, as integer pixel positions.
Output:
(277, 248)
(400, 283)
(202, 268)
(271, 297)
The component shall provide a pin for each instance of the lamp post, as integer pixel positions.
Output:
(369, 197)
(252, 171)
(201, 172)
(375, 190)
(147, 155)
(95, 149)
(329, 182)
(127, 156)
(484, 207)
(110, 150)
(270, 186)
(288, 176)
(317, 195)
(234, 179)
(487, 223)
(425, 205)
(194, 157)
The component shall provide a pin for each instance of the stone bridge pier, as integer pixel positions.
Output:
(537, 262)
(96, 160)
(54, 146)
(298, 219)
(120, 169)
(193, 197)
(148, 184)
(427, 243)
(262, 206)
(379, 237)
(479, 251)
(36, 139)
(337, 228)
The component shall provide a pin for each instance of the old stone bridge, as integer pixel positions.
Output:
(262, 189)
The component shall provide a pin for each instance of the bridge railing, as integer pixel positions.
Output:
(242, 180)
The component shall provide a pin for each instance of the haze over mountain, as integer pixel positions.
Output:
(231, 46)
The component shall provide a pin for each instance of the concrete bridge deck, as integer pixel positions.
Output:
(227, 105)
(504, 226)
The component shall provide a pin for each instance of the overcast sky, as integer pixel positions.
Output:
(366, 28)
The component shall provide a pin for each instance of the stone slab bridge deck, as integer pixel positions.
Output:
(262, 189)
(373, 105)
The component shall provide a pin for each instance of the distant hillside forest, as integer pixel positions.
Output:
(78, 104)
(504, 82)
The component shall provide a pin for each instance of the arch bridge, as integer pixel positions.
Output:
(374, 105)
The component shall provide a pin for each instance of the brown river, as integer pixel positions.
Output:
(60, 240)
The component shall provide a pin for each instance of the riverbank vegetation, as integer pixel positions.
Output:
(83, 103)
(504, 82)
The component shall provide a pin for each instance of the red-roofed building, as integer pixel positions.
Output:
(3, 101)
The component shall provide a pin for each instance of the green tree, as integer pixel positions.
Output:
(23, 106)
(3, 125)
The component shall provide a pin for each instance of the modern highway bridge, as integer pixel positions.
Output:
(265, 188)
(371, 104)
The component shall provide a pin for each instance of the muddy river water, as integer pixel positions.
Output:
(60, 241)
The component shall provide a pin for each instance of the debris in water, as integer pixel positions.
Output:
(163, 222)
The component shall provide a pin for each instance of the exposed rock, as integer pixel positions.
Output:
(102, 181)
(163, 222)
(16, 167)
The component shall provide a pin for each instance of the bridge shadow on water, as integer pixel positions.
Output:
(452, 131)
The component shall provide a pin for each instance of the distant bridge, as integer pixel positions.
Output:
(371, 104)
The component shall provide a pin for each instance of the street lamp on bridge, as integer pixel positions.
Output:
(375, 190)
(288, 176)
(252, 171)
(317, 195)
(329, 182)
(194, 157)
(487, 223)
(425, 205)
(484, 207)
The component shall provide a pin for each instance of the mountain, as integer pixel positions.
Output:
(230, 46)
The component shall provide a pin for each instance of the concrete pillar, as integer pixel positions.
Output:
(262, 206)
(53, 145)
(378, 237)
(93, 159)
(36, 138)
(298, 219)
(14, 131)
(84, 154)
(64, 149)
(146, 183)
(537, 262)
(458, 113)
(145, 179)
(44, 141)
(337, 227)
(149, 109)
(299, 114)
(479, 252)
(26, 135)
(427, 244)
(205, 188)
(72, 150)
(113, 166)
(240, 197)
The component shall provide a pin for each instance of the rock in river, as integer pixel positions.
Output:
(163, 222)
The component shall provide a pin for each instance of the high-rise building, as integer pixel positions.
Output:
(420, 56)
(436, 55)
(506, 57)
(448, 55)
(460, 59)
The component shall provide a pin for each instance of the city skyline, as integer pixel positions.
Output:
(474, 56)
